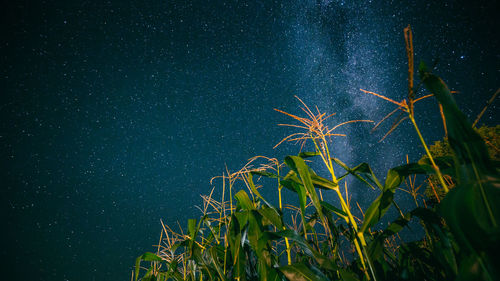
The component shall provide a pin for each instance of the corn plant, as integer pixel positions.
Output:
(242, 236)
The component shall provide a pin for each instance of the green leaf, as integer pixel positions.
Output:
(472, 207)
(254, 230)
(358, 171)
(298, 165)
(259, 243)
(333, 209)
(317, 181)
(396, 175)
(322, 260)
(244, 201)
(238, 255)
(445, 164)
(215, 262)
(468, 146)
(145, 257)
(381, 204)
(322, 183)
(272, 215)
(255, 191)
(469, 219)
(192, 228)
(264, 174)
(242, 218)
(300, 272)
(292, 182)
(377, 209)
(308, 154)
(347, 275)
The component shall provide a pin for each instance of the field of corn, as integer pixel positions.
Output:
(242, 236)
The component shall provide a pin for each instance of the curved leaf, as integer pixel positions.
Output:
(145, 257)
(298, 165)
(244, 201)
(333, 209)
(272, 215)
(358, 171)
(322, 260)
(308, 154)
(395, 177)
(300, 272)
(472, 207)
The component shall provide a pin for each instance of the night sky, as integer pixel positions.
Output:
(116, 114)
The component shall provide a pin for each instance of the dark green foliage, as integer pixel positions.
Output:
(472, 208)
(442, 150)
(491, 136)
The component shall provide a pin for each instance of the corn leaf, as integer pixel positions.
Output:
(300, 272)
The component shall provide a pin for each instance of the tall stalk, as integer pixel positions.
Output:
(408, 107)
(436, 168)
(411, 102)
(360, 249)
(317, 131)
(280, 187)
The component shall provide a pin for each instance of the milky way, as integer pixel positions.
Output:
(116, 114)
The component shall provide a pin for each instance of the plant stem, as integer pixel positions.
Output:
(288, 250)
(436, 168)
(350, 219)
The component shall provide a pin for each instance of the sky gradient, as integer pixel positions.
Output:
(117, 114)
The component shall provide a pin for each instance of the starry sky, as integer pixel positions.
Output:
(116, 114)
